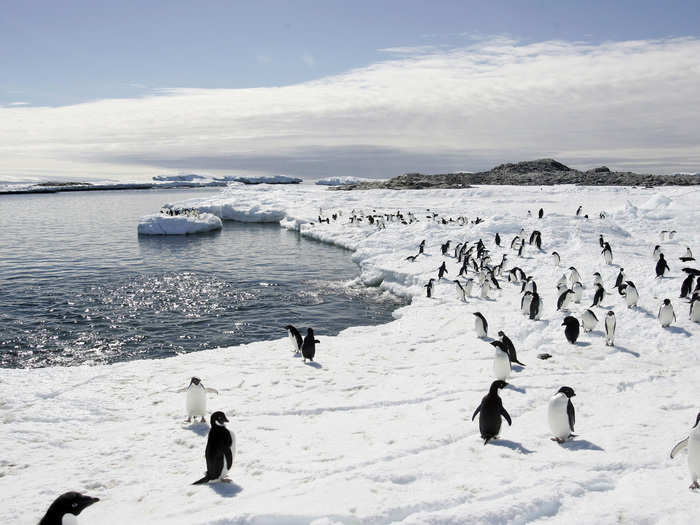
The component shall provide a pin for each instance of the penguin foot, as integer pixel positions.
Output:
(203, 420)
(558, 440)
(694, 485)
(188, 420)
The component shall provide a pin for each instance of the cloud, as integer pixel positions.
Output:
(632, 105)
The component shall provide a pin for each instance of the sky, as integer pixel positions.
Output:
(129, 90)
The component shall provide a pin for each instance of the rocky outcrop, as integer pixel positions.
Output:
(542, 172)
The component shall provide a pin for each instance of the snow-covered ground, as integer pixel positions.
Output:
(379, 430)
(160, 224)
(340, 181)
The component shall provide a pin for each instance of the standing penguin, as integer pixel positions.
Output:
(540, 214)
(687, 285)
(688, 255)
(308, 349)
(498, 239)
(536, 306)
(661, 266)
(598, 295)
(525, 302)
(589, 320)
(561, 414)
(442, 270)
(485, 287)
(295, 339)
(666, 315)
(480, 325)
(556, 259)
(607, 253)
(631, 294)
(461, 293)
(429, 287)
(620, 278)
(510, 348)
(490, 411)
(601, 241)
(694, 314)
(693, 444)
(578, 211)
(66, 506)
(421, 247)
(501, 361)
(578, 292)
(575, 277)
(220, 451)
(572, 329)
(610, 323)
(564, 299)
(657, 252)
(196, 399)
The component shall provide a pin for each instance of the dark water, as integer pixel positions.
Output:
(77, 284)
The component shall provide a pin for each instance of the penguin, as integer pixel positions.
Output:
(589, 320)
(657, 252)
(411, 258)
(529, 285)
(308, 349)
(631, 294)
(620, 278)
(687, 285)
(575, 277)
(610, 323)
(693, 444)
(671, 234)
(536, 307)
(540, 213)
(601, 241)
(572, 329)
(607, 253)
(510, 348)
(666, 315)
(556, 259)
(498, 239)
(468, 287)
(688, 255)
(578, 292)
(485, 287)
(661, 266)
(429, 288)
(490, 411)
(481, 326)
(445, 247)
(561, 414)
(520, 250)
(220, 451)
(501, 361)
(597, 279)
(694, 313)
(421, 247)
(578, 211)
(442, 270)
(196, 399)
(564, 299)
(598, 296)
(295, 339)
(525, 303)
(64, 507)
(662, 234)
(514, 242)
(461, 293)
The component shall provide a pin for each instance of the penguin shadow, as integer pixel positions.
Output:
(597, 333)
(226, 489)
(678, 330)
(581, 444)
(646, 312)
(313, 364)
(516, 368)
(625, 350)
(582, 343)
(201, 429)
(513, 445)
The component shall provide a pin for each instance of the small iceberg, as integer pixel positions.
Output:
(182, 224)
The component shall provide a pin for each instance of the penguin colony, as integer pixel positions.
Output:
(471, 257)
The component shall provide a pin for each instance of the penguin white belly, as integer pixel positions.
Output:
(501, 365)
(694, 455)
(196, 402)
(69, 519)
(589, 322)
(666, 316)
(479, 328)
(607, 256)
(609, 332)
(631, 296)
(224, 469)
(578, 293)
(485, 290)
(526, 305)
(695, 312)
(293, 342)
(558, 417)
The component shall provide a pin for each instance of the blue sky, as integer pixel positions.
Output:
(134, 89)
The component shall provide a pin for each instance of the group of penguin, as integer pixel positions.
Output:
(220, 449)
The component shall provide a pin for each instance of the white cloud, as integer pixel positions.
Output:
(628, 104)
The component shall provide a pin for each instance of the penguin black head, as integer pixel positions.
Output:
(500, 333)
(497, 385)
(195, 381)
(667, 301)
(610, 313)
(499, 345)
(67, 503)
(218, 418)
(310, 332)
(569, 321)
(661, 256)
(567, 391)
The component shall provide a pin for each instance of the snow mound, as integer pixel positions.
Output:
(341, 181)
(160, 224)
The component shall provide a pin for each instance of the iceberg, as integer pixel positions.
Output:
(183, 224)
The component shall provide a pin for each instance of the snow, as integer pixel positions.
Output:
(185, 177)
(379, 430)
(340, 181)
(160, 224)
(272, 179)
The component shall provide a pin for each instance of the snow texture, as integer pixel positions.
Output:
(159, 224)
(378, 430)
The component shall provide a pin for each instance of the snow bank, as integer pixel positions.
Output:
(380, 430)
(340, 181)
(160, 224)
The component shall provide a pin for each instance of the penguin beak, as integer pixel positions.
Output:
(225, 419)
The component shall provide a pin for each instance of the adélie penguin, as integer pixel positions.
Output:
(481, 326)
(510, 348)
(666, 315)
(607, 253)
(693, 444)
(688, 255)
(556, 259)
(429, 288)
(295, 338)
(687, 285)
(461, 293)
(661, 266)
(610, 323)
(64, 508)
(589, 320)
(572, 329)
(490, 411)
(598, 295)
(564, 299)
(308, 349)
(578, 292)
(694, 313)
(536, 306)
(220, 451)
(196, 399)
(561, 414)
(501, 361)
(631, 294)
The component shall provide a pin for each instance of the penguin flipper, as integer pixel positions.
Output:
(229, 458)
(678, 447)
(202, 481)
(505, 414)
(478, 409)
(212, 390)
(518, 362)
(572, 415)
